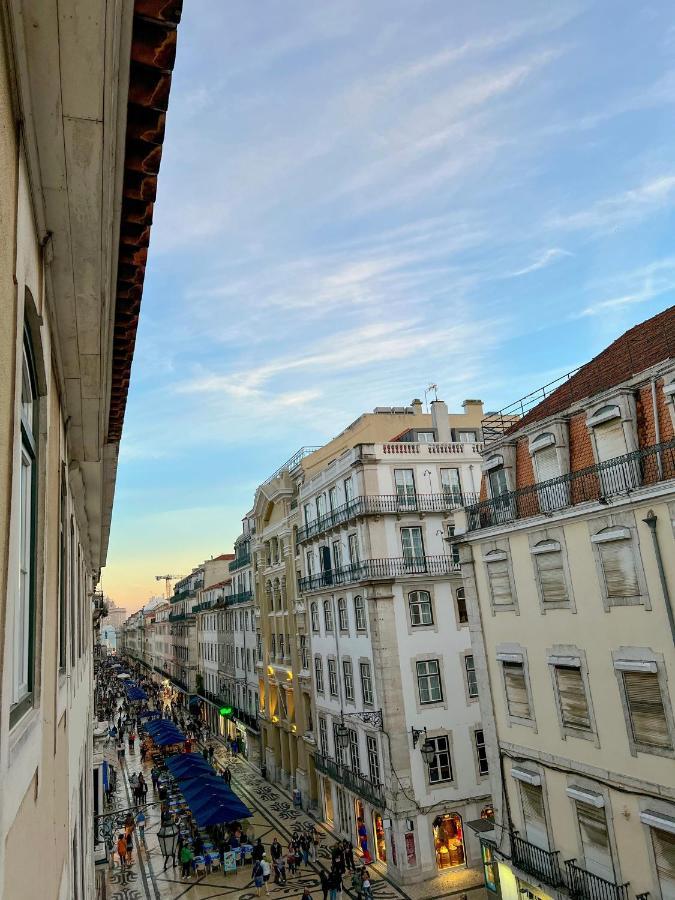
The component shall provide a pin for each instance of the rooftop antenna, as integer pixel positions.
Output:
(167, 579)
(434, 388)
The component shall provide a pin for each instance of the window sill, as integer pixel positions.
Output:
(21, 731)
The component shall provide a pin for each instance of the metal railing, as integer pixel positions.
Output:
(240, 562)
(292, 463)
(542, 864)
(584, 885)
(177, 617)
(372, 569)
(353, 781)
(621, 475)
(382, 504)
(241, 597)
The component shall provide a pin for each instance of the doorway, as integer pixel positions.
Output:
(449, 841)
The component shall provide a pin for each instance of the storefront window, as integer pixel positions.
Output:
(487, 812)
(489, 868)
(449, 841)
(380, 842)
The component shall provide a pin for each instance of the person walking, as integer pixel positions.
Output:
(122, 851)
(275, 852)
(140, 824)
(367, 887)
(186, 861)
(357, 884)
(349, 855)
(267, 871)
(334, 883)
(227, 776)
(306, 895)
(258, 878)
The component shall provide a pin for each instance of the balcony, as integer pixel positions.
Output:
(616, 477)
(240, 562)
(177, 617)
(353, 781)
(383, 504)
(542, 864)
(583, 885)
(377, 569)
(241, 597)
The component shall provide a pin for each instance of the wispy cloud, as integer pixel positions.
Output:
(622, 209)
(544, 259)
(640, 285)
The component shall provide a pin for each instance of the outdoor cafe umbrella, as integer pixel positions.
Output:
(218, 812)
(188, 765)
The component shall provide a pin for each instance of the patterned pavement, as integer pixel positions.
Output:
(274, 815)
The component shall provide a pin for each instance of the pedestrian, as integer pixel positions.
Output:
(334, 883)
(140, 824)
(177, 852)
(211, 752)
(154, 774)
(132, 741)
(186, 858)
(258, 850)
(258, 877)
(325, 883)
(275, 852)
(357, 884)
(306, 894)
(130, 845)
(349, 856)
(120, 751)
(266, 872)
(367, 887)
(227, 776)
(315, 844)
(122, 851)
(304, 849)
(290, 859)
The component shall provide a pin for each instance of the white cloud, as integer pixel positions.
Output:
(547, 258)
(626, 208)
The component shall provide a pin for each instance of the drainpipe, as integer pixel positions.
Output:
(651, 522)
(657, 430)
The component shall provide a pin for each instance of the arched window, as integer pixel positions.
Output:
(360, 613)
(343, 619)
(314, 613)
(419, 603)
(24, 612)
(328, 615)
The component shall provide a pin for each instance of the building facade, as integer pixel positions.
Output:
(569, 569)
(388, 645)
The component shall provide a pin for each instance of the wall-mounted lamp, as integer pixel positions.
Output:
(417, 734)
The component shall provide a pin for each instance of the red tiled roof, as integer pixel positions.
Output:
(225, 556)
(641, 347)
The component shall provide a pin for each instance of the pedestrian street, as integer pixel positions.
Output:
(273, 816)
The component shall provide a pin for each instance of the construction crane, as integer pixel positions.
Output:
(167, 579)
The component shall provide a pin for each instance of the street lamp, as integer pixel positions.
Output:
(168, 838)
(342, 735)
(428, 751)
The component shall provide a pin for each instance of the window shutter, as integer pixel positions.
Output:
(516, 690)
(552, 577)
(535, 817)
(647, 714)
(595, 841)
(500, 583)
(618, 566)
(573, 702)
(547, 464)
(610, 440)
(664, 854)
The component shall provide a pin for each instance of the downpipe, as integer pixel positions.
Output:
(650, 521)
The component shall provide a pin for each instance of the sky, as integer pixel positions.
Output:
(359, 199)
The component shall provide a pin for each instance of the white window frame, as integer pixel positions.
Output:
(429, 676)
(318, 675)
(360, 613)
(348, 679)
(417, 604)
(443, 750)
(366, 677)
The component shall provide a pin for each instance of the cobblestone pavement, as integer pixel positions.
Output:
(274, 815)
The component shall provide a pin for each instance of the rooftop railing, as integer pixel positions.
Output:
(615, 477)
(374, 569)
(382, 504)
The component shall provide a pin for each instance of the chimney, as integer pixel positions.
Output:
(439, 419)
(417, 406)
(475, 404)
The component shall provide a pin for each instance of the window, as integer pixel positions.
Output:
(498, 484)
(273, 646)
(405, 488)
(337, 555)
(534, 815)
(353, 549)
(310, 563)
(466, 437)
(314, 614)
(425, 437)
(572, 699)
(550, 572)
(332, 499)
(471, 679)
(318, 675)
(366, 684)
(360, 613)
(304, 654)
(663, 843)
(320, 506)
(24, 609)
(454, 549)
(323, 735)
(419, 603)
(429, 681)
(63, 569)
(547, 468)
(373, 759)
(343, 618)
(327, 615)
(646, 712)
(481, 751)
(452, 487)
(517, 700)
(499, 578)
(440, 768)
(282, 647)
(462, 615)
(332, 678)
(349, 489)
(348, 677)
(354, 755)
(413, 547)
(340, 751)
(618, 565)
(595, 840)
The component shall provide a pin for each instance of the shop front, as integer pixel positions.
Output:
(449, 841)
(380, 839)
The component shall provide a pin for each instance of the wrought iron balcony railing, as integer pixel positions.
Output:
(240, 562)
(353, 781)
(621, 475)
(177, 617)
(381, 504)
(241, 597)
(584, 885)
(374, 569)
(542, 864)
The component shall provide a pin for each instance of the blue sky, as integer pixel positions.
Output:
(357, 199)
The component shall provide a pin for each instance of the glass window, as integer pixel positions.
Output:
(405, 487)
(425, 437)
(366, 683)
(440, 768)
(342, 614)
(349, 489)
(500, 582)
(534, 815)
(413, 546)
(618, 568)
(360, 613)
(328, 615)
(498, 483)
(373, 759)
(419, 603)
(663, 843)
(451, 484)
(323, 735)
(348, 676)
(548, 562)
(353, 549)
(337, 555)
(481, 751)
(332, 499)
(321, 506)
(63, 565)
(354, 755)
(332, 678)
(471, 679)
(466, 437)
(310, 563)
(318, 675)
(462, 614)
(429, 681)
(314, 613)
